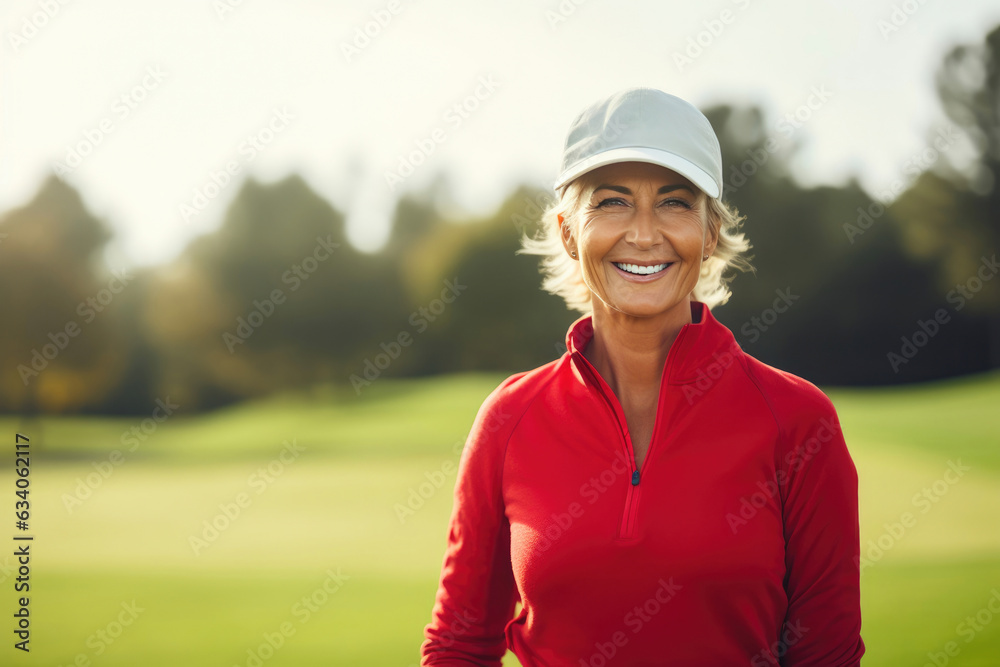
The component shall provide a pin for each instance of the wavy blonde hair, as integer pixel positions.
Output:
(562, 275)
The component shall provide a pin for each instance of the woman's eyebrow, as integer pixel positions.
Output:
(662, 191)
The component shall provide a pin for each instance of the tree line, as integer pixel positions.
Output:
(849, 288)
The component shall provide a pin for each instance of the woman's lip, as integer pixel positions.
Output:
(636, 278)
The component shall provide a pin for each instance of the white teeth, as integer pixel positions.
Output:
(641, 270)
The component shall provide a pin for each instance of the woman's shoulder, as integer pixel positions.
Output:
(516, 392)
(788, 395)
(502, 410)
(808, 425)
(804, 415)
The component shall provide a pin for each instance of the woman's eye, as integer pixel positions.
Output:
(615, 202)
(678, 202)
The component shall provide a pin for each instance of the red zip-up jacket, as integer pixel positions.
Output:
(736, 543)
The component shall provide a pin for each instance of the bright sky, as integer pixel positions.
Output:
(163, 100)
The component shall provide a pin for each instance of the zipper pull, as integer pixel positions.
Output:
(635, 478)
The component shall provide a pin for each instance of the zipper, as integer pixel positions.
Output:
(627, 525)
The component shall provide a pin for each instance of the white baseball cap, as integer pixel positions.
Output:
(644, 125)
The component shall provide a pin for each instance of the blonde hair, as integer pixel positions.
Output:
(562, 275)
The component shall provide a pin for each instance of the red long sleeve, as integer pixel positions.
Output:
(476, 595)
(818, 485)
(735, 542)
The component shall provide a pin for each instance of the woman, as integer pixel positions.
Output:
(656, 496)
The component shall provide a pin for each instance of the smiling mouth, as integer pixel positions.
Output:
(637, 270)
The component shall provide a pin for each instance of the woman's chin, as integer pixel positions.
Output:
(642, 307)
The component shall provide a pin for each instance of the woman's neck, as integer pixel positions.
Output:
(629, 352)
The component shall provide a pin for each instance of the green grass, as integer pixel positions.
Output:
(332, 509)
(389, 419)
(950, 418)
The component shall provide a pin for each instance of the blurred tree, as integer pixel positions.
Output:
(500, 319)
(64, 341)
(951, 213)
(275, 298)
(420, 241)
(825, 303)
(415, 218)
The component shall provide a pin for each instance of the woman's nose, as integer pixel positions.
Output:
(643, 228)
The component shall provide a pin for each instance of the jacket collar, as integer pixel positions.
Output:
(698, 345)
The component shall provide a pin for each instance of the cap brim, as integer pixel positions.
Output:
(682, 166)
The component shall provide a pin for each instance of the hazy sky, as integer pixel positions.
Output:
(148, 105)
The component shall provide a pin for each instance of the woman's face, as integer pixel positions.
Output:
(651, 218)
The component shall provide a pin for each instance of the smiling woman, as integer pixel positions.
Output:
(563, 276)
(637, 223)
(606, 490)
